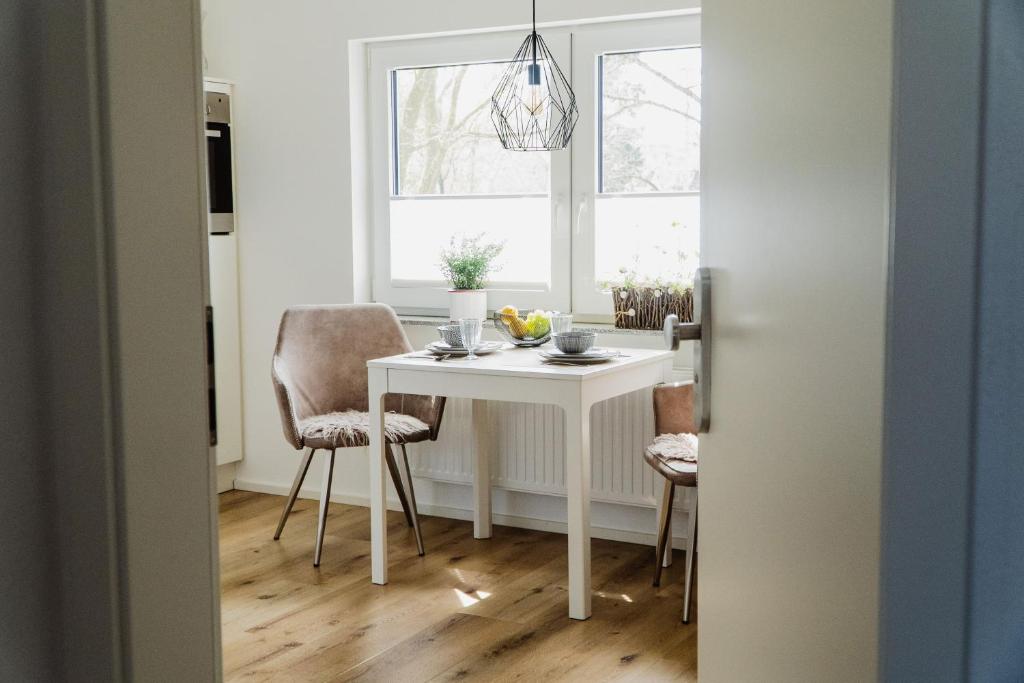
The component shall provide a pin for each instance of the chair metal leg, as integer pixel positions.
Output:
(412, 503)
(663, 526)
(389, 457)
(325, 500)
(300, 476)
(691, 556)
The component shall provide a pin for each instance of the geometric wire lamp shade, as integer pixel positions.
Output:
(533, 108)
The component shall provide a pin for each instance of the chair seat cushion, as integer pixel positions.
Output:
(674, 456)
(352, 428)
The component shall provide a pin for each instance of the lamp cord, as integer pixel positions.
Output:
(535, 32)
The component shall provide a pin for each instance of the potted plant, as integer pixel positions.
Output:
(466, 264)
(641, 303)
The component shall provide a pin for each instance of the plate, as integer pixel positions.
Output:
(592, 353)
(591, 357)
(440, 348)
(575, 361)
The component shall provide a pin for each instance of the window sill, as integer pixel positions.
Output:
(599, 328)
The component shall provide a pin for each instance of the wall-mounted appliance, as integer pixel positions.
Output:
(219, 174)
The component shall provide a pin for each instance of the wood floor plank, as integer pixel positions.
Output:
(482, 610)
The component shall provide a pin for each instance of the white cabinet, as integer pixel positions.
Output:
(226, 347)
(226, 338)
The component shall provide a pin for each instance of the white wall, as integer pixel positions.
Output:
(290, 63)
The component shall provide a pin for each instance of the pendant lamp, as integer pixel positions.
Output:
(533, 108)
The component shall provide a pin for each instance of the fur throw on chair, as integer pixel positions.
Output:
(352, 428)
(675, 447)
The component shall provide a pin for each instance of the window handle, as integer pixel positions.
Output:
(579, 216)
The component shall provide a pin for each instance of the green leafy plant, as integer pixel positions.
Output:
(468, 261)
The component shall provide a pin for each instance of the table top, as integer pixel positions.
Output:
(512, 361)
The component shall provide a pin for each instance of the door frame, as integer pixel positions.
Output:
(949, 609)
(118, 290)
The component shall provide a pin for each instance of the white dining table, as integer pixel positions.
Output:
(517, 375)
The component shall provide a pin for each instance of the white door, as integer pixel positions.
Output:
(796, 139)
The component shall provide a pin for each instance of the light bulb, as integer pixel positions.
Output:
(535, 94)
(535, 101)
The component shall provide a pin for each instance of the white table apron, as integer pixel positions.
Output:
(515, 375)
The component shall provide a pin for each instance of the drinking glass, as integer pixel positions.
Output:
(471, 329)
(561, 323)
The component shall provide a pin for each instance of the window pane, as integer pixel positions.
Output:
(650, 122)
(420, 228)
(446, 142)
(653, 238)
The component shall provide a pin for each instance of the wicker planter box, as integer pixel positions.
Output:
(645, 308)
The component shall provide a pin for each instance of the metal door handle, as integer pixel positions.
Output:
(699, 331)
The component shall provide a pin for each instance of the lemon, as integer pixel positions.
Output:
(515, 325)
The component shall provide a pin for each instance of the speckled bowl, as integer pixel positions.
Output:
(574, 342)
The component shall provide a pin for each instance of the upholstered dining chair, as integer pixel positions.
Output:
(320, 379)
(673, 455)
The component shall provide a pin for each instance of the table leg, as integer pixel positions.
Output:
(481, 471)
(378, 380)
(577, 484)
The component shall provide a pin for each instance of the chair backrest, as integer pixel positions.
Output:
(673, 409)
(322, 351)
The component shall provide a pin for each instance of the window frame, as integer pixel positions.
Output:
(590, 43)
(431, 297)
(574, 179)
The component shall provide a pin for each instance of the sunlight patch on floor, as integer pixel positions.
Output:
(472, 598)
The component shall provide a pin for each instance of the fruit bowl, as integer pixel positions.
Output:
(504, 323)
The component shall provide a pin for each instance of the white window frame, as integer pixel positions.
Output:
(573, 182)
(589, 43)
(432, 297)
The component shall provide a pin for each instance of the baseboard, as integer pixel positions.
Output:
(519, 521)
(226, 476)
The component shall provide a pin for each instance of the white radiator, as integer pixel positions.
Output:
(530, 451)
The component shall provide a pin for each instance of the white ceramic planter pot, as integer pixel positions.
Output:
(467, 303)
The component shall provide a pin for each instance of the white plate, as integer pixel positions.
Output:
(591, 357)
(575, 361)
(592, 353)
(440, 348)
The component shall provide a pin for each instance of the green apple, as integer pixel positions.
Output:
(538, 323)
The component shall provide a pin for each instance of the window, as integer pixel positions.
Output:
(640, 201)
(648, 206)
(624, 197)
(452, 177)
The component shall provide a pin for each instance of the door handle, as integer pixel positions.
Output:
(698, 331)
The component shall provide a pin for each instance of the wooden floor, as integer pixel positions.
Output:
(470, 610)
